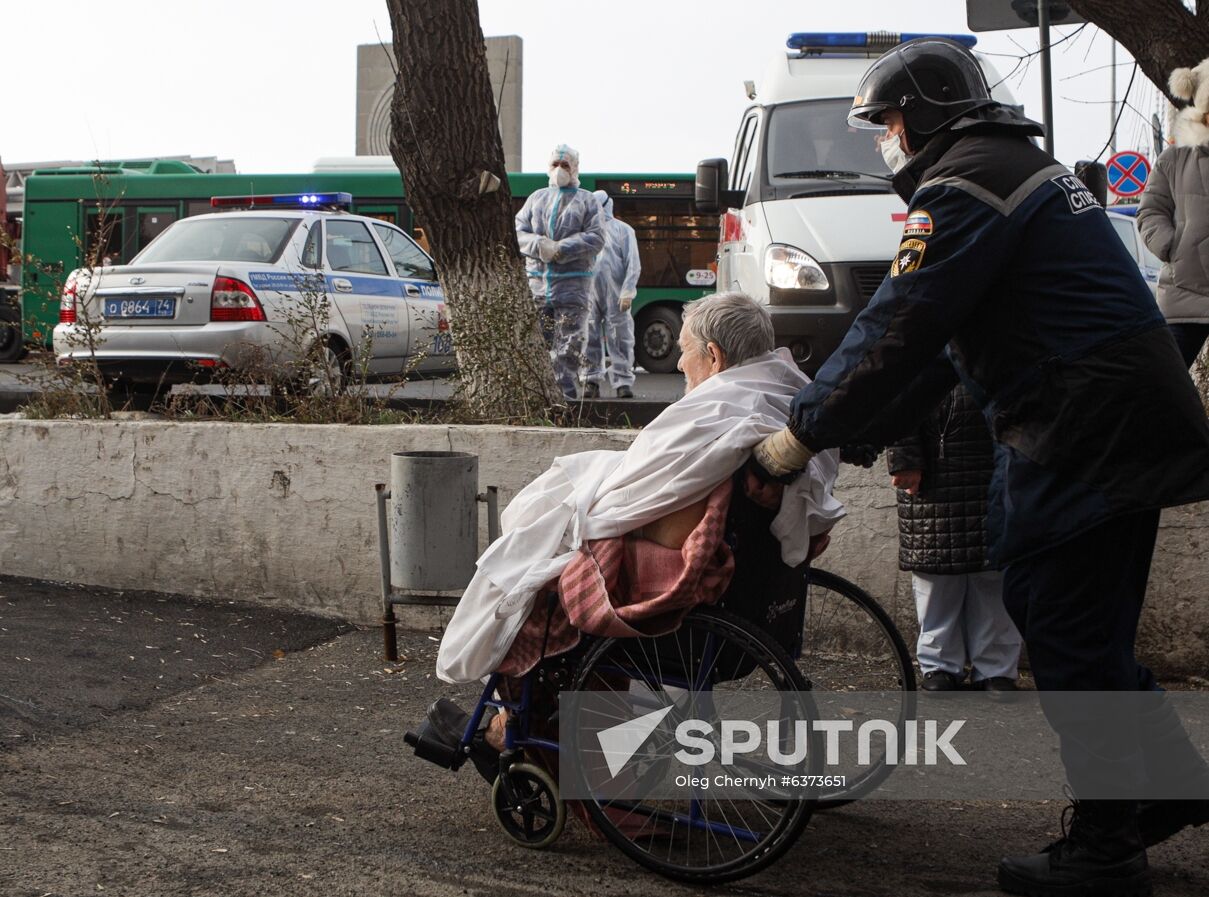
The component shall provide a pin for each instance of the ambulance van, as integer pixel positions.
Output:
(809, 219)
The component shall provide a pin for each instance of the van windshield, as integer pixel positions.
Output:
(812, 140)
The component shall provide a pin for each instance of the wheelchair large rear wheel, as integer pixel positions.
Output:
(851, 646)
(713, 661)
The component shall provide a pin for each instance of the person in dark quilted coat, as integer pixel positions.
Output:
(942, 473)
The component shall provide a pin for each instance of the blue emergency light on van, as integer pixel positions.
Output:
(860, 40)
(294, 200)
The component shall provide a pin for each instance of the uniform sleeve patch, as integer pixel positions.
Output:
(919, 224)
(910, 257)
(1080, 198)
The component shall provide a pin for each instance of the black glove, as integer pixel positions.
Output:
(860, 455)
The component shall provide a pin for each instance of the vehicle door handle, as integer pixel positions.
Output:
(412, 290)
(341, 285)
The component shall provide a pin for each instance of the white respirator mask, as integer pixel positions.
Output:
(560, 177)
(895, 157)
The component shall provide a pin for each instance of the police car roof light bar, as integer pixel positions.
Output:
(870, 41)
(285, 200)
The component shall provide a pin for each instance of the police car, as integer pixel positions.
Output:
(275, 279)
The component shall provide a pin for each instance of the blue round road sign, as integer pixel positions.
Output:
(1127, 173)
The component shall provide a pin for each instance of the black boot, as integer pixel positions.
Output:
(449, 722)
(1101, 854)
(1174, 767)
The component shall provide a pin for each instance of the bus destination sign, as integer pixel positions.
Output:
(637, 187)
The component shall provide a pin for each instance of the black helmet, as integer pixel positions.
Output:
(933, 81)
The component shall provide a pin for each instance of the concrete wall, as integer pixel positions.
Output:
(285, 513)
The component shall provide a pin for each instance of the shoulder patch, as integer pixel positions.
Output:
(1077, 195)
(919, 224)
(910, 256)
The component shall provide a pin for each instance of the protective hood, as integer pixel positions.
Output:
(606, 203)
(994, 118)
(998, 116)
(564, 152)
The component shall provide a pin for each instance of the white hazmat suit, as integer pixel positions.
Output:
(614, 286)
(560, 230)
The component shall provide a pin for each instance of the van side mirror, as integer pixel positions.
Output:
(1095, 176)
(712, 177)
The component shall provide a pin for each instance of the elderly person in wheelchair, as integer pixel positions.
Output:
(625, 544)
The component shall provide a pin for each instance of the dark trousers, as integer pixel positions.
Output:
(1077, 606)
(1191, 339)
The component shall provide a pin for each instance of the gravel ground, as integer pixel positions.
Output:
(150, 745)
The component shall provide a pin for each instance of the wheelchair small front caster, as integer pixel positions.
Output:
(527, 806)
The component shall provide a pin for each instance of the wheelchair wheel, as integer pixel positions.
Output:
(850, 645)
(713, 659)
(527, 806)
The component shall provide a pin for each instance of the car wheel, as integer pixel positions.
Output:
(327, 369)
(12, 346)
(129, 396)
(656, 346)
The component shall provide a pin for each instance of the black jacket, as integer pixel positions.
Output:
(942, 529)
(1010, 270)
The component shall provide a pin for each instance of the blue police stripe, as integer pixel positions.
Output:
(291, 282)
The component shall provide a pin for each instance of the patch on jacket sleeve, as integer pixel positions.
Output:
(919, 224)
(910, 257)
(1080, 198)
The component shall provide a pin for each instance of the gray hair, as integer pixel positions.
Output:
(740, 325)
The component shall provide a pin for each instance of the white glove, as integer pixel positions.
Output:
(781, 453)
(626, 300)
(547, 249)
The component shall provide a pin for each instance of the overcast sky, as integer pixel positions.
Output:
(635, 86)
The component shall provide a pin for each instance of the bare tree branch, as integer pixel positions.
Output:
(1167, 36)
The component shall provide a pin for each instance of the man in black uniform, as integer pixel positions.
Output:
(1010, 277)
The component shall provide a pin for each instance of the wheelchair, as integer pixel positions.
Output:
(779, 634)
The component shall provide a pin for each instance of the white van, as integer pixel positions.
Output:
(809, 218)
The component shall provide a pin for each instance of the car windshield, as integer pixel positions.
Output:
(233, 238)
(811, 140)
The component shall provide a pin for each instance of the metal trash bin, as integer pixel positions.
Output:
(434, 520)
(428, 543)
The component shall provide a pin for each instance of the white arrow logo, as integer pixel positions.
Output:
(621, 742)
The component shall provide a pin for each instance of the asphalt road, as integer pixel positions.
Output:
(155, 746)
(25, 377)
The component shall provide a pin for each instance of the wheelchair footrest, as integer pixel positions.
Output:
(431, 748)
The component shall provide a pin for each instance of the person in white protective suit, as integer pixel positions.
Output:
(738, 391)
(561, 230)
(610, 327)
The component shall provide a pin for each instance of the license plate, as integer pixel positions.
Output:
(140, 308)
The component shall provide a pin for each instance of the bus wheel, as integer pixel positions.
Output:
(655, 342)
(11, 344)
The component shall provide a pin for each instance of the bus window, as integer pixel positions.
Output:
(103, 238)
(152, 223)
(672, 240)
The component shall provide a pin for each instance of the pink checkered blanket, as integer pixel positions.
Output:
(626, 587)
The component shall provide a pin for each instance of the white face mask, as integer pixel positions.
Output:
(559, 177)
(895, 157)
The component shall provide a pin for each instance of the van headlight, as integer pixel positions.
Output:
(789, 268)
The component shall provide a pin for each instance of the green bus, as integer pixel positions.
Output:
(116, 209)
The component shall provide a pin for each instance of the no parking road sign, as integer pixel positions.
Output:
(1127, 173)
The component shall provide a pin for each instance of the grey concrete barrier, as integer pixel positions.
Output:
(285, 513)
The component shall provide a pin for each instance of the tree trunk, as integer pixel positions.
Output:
(1160, 34)
(445, 139)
